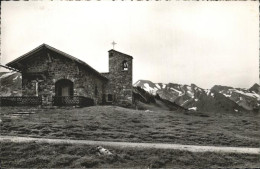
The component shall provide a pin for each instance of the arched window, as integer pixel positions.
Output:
(109, 97)
(124, 65)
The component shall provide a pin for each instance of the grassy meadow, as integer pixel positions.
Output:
(35, 155)
(111, 123)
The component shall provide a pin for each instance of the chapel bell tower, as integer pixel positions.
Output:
(120, 75)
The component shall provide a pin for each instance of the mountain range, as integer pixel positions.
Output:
(192, 97)
(10, 84)
(218, 98)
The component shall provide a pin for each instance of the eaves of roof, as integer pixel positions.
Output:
(45, 46)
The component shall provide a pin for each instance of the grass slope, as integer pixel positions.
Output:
(81, 156)
(112, 123)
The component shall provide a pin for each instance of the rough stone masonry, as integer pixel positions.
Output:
(48, 72)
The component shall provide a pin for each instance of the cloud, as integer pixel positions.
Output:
(205, 43)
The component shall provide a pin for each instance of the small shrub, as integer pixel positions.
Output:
(126, 104)
(40, 161)
(204, 115)
(156, 162)
(135, 121)
(110, 159)
(64, 160)
(87, 162)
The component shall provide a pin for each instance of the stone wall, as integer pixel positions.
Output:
(57, 67)
(120, 81)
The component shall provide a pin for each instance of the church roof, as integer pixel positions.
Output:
(45, 46)
(112, 50)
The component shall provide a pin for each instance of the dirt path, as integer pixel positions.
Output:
(192, 148)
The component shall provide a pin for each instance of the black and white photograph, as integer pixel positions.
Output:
(129, 84)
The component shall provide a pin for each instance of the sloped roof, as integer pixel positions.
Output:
(112, 50)
(45, 46)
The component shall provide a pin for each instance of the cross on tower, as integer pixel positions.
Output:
(113, 43)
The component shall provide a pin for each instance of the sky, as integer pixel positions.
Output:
(204, 43)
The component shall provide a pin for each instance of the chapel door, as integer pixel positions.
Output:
(64, 87)
(65, 91)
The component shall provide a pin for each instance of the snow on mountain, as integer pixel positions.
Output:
(255, 88)
(218, 98)
(158, 86)
(10, 84)
(148, 86)
(170, 91)
(6, 74)
(150, 89)
(249, 99)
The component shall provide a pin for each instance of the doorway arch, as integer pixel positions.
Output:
(64, 87)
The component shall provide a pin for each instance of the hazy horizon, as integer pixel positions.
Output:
(204, 43)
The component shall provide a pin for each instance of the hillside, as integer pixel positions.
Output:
(146, 101)
(218, 98)
(112, 123)
(249, 99)
(10, 84)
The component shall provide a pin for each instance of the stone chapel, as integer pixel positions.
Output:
(50, 73)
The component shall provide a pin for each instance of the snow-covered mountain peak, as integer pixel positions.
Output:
(191, 95)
